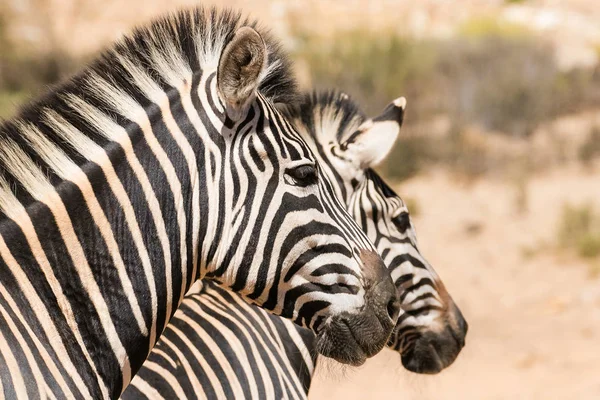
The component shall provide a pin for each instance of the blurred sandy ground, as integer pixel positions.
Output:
(534, 321)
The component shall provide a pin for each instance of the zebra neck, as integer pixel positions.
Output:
(97, 264)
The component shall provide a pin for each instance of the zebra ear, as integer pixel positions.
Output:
(240, 67)
(370, 144)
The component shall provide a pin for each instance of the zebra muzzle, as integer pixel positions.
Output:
(433, 351)
(351, 338)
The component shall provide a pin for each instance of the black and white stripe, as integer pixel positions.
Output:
(220, 347)
(247, 353)
(163, 162)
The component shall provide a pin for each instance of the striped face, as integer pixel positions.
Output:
(430, 330)
(281, 237)
(288, 244)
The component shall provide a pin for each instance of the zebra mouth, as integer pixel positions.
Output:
(338, 342)
(433, 352)
(353, 338)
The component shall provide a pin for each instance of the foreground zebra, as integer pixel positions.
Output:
(218, 346)
(162, 163)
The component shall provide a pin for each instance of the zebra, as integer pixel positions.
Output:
(164, 162)
(218, 346)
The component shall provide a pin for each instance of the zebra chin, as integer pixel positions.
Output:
(432, 351)
(351, 338)
(350, 343)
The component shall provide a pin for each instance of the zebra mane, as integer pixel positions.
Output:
(80, 113)
(329, 112)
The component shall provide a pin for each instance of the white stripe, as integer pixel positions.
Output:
(66, 169)
(258, 326)
(232, 340)
(159, 97)
(300, 345)
(212, 181)
(216, 352)
(187, 367)
(277, 337)
(40, 347)
(210, 45)
(263, 373)
(97, 154)
(161, 353)
(150, 392)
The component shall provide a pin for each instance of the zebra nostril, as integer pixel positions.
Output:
(393, 308)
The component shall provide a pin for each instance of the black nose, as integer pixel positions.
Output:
(393, 308)
(381, 292)
(432, 351)
(460, 327)
(384, 295)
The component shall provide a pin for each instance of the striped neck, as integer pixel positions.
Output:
(112, 248)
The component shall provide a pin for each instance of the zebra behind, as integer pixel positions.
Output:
(162, 163)
(247, 353)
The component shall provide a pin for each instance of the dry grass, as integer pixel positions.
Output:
(579, 230)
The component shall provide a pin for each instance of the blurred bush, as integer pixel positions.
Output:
(579, 230)
(495, 76)
(413, 206)
(590, 149)
(24, 71)
(374, 68)
(490, 26)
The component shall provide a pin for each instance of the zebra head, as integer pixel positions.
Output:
(285, 242)
(431, 330)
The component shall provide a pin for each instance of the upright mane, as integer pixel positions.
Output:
(327, 112)
(168, 51)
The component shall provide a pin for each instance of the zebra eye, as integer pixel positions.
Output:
(402, 221)
(303, 175)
